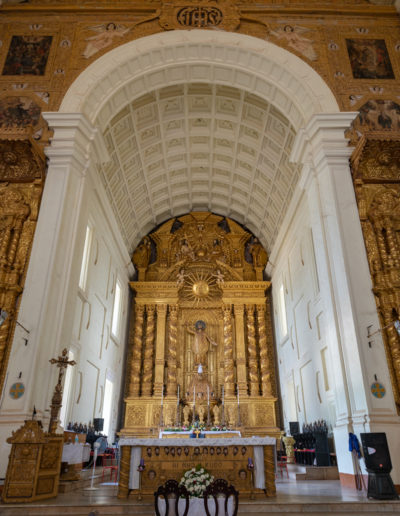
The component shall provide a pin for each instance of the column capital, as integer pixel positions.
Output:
(74, 139)
(162, 309)
(323, 138)
(238, 309)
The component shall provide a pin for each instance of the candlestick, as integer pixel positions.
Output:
(177, 402)
(238, 393)
(194, 404)
(208, 395)
(162, 395)
(222, 395)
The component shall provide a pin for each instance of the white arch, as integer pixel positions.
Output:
(245, 62)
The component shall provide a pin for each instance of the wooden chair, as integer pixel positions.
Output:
(217, 488)
(171, 489)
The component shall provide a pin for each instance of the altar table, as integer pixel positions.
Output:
(227, 458)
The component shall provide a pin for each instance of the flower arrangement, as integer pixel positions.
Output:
(219, 428)
(196, 480)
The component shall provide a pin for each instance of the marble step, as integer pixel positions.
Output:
(371, 508)
(302, 472)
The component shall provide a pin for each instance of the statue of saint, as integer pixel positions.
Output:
(186, 414)
(201, 343)
(141, 256)
(202, 412)
(258, 253)
(216, 413)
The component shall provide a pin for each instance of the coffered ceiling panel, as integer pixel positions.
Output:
(199, 147)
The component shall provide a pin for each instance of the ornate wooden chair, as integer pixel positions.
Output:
(171, 489)
(217, 488)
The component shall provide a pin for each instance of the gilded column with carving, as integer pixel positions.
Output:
(124, 468)
(265, 365)
(240, 349)
(252, 351)
(147, 376)
(228, 352)
(269, 467)
(160, 350)
(172, 348)
(136, 364)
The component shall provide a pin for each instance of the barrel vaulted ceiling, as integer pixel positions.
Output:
(199, 147)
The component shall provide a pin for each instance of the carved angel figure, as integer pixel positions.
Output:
(180, 278)
(219, 277)
(104, 37)
(294, 38)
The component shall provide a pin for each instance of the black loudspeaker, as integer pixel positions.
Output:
(294, 427)
(379, 465)
(322, 454)
(98, 423)
(376, 452)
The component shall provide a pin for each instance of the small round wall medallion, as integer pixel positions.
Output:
(17, 390)
(378, 390)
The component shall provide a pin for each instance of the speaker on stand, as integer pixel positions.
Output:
(379, 466)
(98, 423)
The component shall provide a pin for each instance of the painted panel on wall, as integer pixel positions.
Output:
(18, 112)
(27, 55)
(369, 59)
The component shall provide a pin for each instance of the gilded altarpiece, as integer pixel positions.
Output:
(376, 176)
(21, 185)
(201, 343)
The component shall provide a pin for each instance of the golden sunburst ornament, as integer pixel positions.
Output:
(200, 287)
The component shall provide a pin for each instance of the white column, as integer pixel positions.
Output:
(48, 301)
(347, 286)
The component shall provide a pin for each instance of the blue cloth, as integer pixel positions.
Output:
(354, 444)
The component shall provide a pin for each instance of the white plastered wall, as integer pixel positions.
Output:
(98, 352)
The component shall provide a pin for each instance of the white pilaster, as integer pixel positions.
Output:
(321, 146)
(47, 305)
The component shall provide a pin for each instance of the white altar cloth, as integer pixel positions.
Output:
(196, 506)
(205, 432)
(74, 453)
(257, 442)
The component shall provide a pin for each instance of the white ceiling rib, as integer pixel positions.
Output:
(204, 147)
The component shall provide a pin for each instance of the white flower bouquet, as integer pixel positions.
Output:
(196, 480)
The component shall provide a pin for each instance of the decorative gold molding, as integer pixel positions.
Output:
(375, 168)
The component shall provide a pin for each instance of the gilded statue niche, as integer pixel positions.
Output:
(376, 174)
(201, 334)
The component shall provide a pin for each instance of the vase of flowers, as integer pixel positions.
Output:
(196, 480)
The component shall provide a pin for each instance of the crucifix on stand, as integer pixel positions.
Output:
(62, 362)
